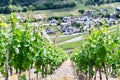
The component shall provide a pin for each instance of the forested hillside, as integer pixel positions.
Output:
(29, 2)
(25, 5)
(20, 2)
(94, 2)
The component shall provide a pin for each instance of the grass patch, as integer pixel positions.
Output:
(72, 45)
(62, 39)
(111, 6)
(113, 27)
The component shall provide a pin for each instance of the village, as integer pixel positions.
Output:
(71, 24)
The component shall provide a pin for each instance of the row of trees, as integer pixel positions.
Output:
(14, 2)
(15, 8)
(55, 5)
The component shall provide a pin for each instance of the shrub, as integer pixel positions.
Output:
(55, 17)
(4, 10)
(25, 9)
(31, 7)
(81, 11)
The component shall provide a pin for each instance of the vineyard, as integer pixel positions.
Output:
(100, 54)
(23, 48)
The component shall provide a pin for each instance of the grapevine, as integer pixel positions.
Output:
(23, 48)
(99, 53)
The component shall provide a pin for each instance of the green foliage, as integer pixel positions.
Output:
(99, 51)
(55, 5)
(25, 9)
(26, 48)
(33, 5)
(3, 50)
(81, 11)
(23, 77)
(55, 17)
(99, 2)
(47, 4)
(69, 46)
(32, 8)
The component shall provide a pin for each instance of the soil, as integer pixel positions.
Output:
(65, 72)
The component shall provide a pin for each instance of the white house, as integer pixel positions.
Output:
(118, 8)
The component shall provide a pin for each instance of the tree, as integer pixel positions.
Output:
(31, 7)
(81, 11)
(25, 9)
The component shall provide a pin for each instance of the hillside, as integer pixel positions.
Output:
(26, 2)
(34, 5)
(25, 5)
(20, 2)
(31, 2)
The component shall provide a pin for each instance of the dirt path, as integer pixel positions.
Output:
(65, 72)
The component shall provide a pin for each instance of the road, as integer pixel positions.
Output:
(73, 40)
(46, 36)
(67, 35)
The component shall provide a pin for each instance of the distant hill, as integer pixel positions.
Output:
(25, 5)
(31, 2)
(27, 2)
(19, 2)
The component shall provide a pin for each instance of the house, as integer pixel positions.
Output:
(53, 22)
(86, 28)
(118, 8)
(68, 31)
(65, 19)
(62, 28)
(110, 20)
(76, 30)
(50, 31)
(113, 15)
(66, 24)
